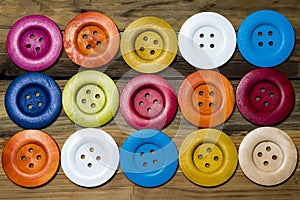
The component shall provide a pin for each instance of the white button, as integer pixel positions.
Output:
(90, 157)
(207, 40)
(267, 156)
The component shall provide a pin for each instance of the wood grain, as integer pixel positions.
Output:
(123, 12)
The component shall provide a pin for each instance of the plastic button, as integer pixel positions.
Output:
(149, 45)
(206, 98)
(208, 157)
(268, 156)
(148, 101)
(91, 40)
(30, 158)
(207, 40)
(90, 98)
(90, 157)
(265, 96)
(149, 158)
(34, 43)
(266, 38)
(33, 100)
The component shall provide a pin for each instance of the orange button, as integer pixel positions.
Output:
(206, 98)
(91, 40)
(30, 158)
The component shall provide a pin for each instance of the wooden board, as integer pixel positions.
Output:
(123, 12)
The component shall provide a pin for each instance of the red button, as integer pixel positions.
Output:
(265, 96)
(30, 158)
(91, 40)
(148, 101)
(206, 98)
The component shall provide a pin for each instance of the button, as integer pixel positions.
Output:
(149, 45)
(30, 158)
(268, 156)
(266, 38)
(90, 157)
(149, 158)
(208, 157)
(206, 98)
(265, 96)
(148, 101)
(33, 100)
(207, 40)
(34, 43)
(91, 39)
(90, 98)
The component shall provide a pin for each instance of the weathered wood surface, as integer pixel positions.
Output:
(123, 12)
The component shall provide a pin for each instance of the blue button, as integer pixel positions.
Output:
(266, 38)
(149, 158)
(33, 100)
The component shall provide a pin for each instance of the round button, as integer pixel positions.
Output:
(265, 96)
(90, 98)
(91, 40)
(149, 158)
(33, 100)
(268, 156)
(266, 38)
(208, 157)
(30, 158)
(90, 157)
(206, 98)
(149, 45)
(148, 101)
(207, 40)
(34, 43)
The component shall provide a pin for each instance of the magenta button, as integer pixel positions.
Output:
(265, 96)
(34, 43)
(148, 101)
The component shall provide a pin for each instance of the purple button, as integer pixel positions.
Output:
(34, 43)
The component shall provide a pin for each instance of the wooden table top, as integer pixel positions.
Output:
(123, 12)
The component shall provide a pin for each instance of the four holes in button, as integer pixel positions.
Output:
(30, 106)
(38, 157)
(152, 51)
(88, 92)
(37, 49)
(209, 150)
(145, 164)
(202, 35)
(263, 90)
(211, 93)
(85, 36)
(82, 157)
(270, 43)
(260, 155)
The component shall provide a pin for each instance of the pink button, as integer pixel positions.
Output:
(148, 101)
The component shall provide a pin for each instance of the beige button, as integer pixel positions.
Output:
(268, 156)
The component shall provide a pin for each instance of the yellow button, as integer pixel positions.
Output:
(149, 45)
(208, 157)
